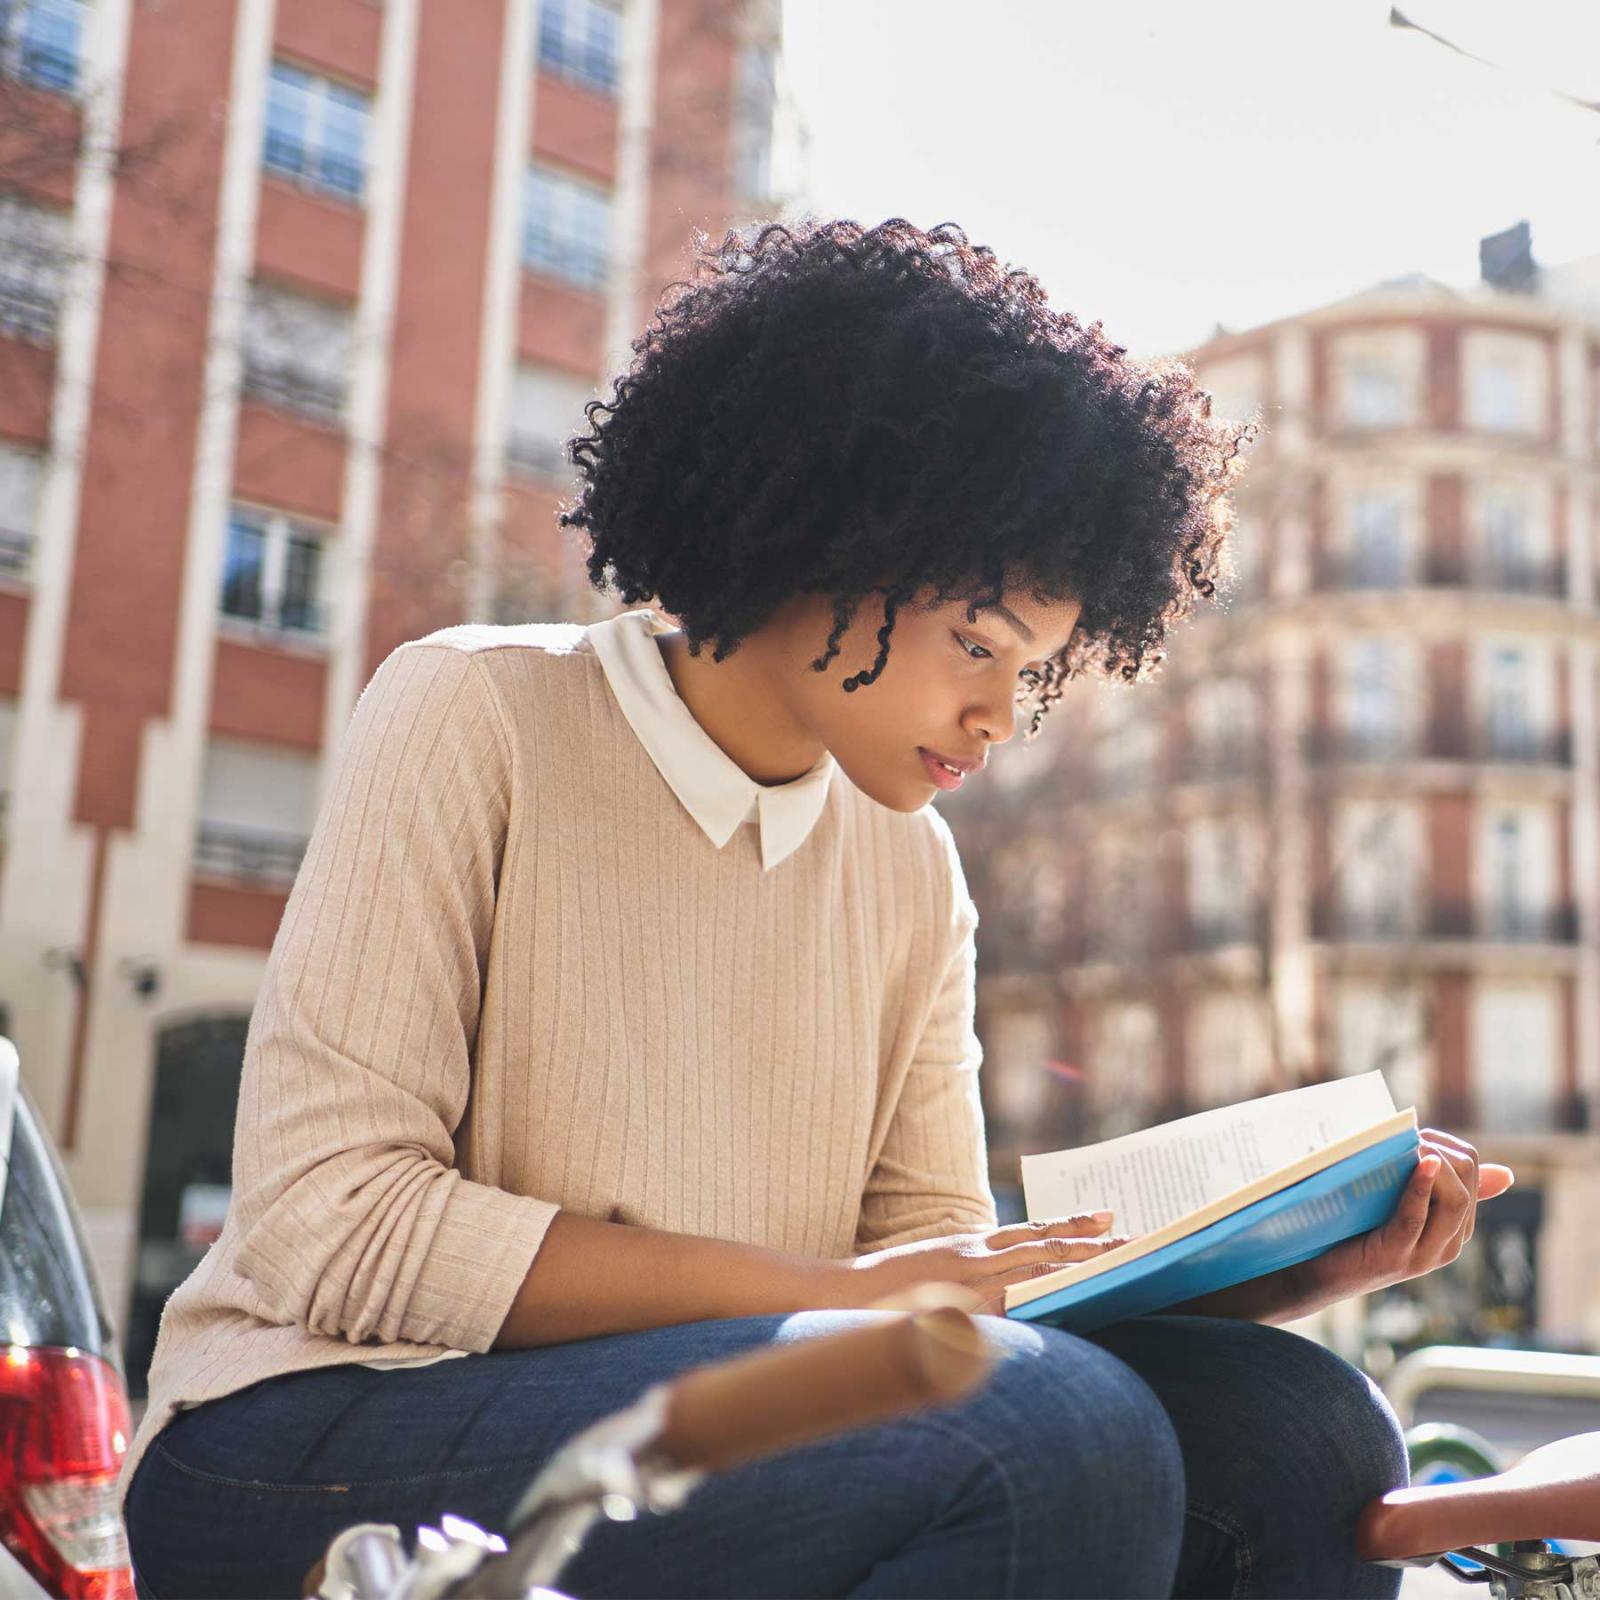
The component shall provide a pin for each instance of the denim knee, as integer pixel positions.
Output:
(1095, 1454)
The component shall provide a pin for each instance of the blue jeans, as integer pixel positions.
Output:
(1168, 1455)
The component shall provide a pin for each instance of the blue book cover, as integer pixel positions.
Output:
(1280, 1229)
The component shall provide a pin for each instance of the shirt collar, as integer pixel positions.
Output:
(713, 788)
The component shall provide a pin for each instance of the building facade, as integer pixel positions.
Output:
(298, 301)
(1354, 821)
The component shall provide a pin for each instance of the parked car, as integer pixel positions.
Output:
(64, 1419)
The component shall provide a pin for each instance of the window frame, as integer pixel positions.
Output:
(555, 52)
(277, 529)
(319, 91)
(14, 15)
(310, 398)
(575, 263)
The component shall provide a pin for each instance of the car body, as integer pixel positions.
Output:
(64, 1417)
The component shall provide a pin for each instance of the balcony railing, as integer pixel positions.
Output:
(1399, 923)
(296, 387)
(1441, 740)
(1230, 758)
(535, 455)
(251, 855)
(16, 556)
(1486, 574)
(1216, 930)
(293, 619)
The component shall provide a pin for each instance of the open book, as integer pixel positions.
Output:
(1218, 1198)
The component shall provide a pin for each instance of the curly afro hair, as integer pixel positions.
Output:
(832, 409)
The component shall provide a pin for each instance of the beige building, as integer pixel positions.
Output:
(1355, 821)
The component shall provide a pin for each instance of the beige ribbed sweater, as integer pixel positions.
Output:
(515, 976)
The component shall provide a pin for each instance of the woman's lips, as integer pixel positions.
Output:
(939, 773)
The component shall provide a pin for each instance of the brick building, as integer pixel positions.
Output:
(1355, 820)
(298, 300)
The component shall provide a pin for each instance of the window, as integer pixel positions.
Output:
(1517, 872)
(1507, 910)
(41, 41)
(1219, 878)
(1377, 537)
(1230, 1050)
(1375, 710)
(21, 474)
(546, 410)
(1374, 394)
(34, 251)
(272, 573)
(296, 351)
(1505, 536)
(1384, 1027)
(1224, 729)
(257, 805)
(755, 96)
(1235, 386)
(1120, 908)
(1510, 701)
(581, 40)
(1244, 545)
(1127, 743)
(317, 131)
(1505, 382)
(1377, 376)
(1515, 1057)
(566, 228)
(1124, 1068)
(1377, 850)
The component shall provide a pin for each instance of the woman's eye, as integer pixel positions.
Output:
(975, 652)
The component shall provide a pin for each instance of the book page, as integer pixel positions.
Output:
(1155, 1176)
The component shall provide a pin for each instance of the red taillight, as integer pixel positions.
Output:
(64, 1425)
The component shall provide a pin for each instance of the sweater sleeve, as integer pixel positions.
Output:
(932, 1175)
(351, 1218)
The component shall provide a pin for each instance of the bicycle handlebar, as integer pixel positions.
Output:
(735, 1411)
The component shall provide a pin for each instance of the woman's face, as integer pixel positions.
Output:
(947, 690)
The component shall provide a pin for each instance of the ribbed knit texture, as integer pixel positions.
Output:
(514, 976)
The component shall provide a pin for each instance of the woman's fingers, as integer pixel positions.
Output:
(1037, 1256)
(1084, 1225)
(1450, 1214)
(1494, 1179)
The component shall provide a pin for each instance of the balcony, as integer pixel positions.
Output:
(247, 855)
(1487, 575)
(1217, 929)
(1440, 740)
(1222, 761)
(1398, 923)
(16, 556)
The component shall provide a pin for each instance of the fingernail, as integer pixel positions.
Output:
(1103, 1217)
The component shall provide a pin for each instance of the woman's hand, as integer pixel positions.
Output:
(981, 1263)
(1435, 1216)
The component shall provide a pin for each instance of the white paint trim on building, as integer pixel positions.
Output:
(44, 888)
(146, 889)
(350, 581)
(497, 342)
(630, 207)
(1585, 825)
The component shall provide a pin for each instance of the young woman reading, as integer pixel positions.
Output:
(620, 1018)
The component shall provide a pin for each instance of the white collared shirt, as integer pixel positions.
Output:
(712, 787)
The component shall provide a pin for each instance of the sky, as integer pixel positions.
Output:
(1164, 166)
